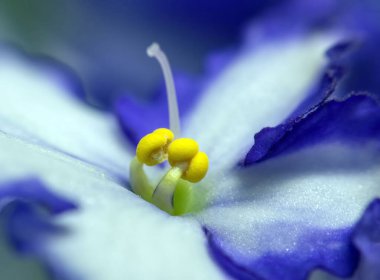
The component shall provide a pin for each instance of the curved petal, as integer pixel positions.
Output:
(352, 120)
(115, 234)
(37, 107)
(283, 218)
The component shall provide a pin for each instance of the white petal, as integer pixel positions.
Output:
(267, 208)
(34, 105)
(260, 88)
(114, 234)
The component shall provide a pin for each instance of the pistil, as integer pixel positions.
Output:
(173, 193)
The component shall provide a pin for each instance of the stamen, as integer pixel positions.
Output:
(163, 195)
(188, 164)
(139, 181)
(174, 193)
(155, 51)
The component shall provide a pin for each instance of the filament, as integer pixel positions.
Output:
(154, 51)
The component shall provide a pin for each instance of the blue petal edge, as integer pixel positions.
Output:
(352, 120)
(331, 251)
(268, 137)
(341, 252)
(27, 208)
(366, 238)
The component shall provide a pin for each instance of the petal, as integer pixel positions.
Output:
(35, 106)
(361, 19)
(32, 190)
(354, 120)
(26, 213)
(283, 218)
(261, 87)
(366, 239)
(114, 234)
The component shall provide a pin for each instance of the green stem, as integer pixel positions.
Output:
(139, 181)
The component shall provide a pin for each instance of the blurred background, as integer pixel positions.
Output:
(104, 42)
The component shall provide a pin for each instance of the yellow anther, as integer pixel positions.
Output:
(182, 151)
(197, 168)
(165, 132)
(152, 148)
(185, 153)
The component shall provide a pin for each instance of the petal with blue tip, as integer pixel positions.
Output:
(285, 217)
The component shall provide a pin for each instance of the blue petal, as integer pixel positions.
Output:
(27, 210)
(352, 120)
(366, 238)
(362, 19)
(328, 250)
(294, 16)
(138, 119)
(283, 218)
(32, 190)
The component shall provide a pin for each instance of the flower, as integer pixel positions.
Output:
(291, 207)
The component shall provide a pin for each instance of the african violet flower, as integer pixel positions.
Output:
(279, 206)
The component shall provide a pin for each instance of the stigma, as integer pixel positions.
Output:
(173, 193)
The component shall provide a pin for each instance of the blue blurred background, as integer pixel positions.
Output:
(104, 42)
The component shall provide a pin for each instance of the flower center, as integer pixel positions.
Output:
(174, 191)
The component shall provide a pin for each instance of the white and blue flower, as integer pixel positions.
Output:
(294, 162)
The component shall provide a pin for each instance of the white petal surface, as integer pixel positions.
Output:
(114, 234)
(260, 88)
(35, 105)
(268, 207)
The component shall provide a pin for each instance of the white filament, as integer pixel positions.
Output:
(154, 51)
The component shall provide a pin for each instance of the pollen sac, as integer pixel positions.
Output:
(152, 148)
(166, 133)
(185, 152)
(197, 168)
(182, 151)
